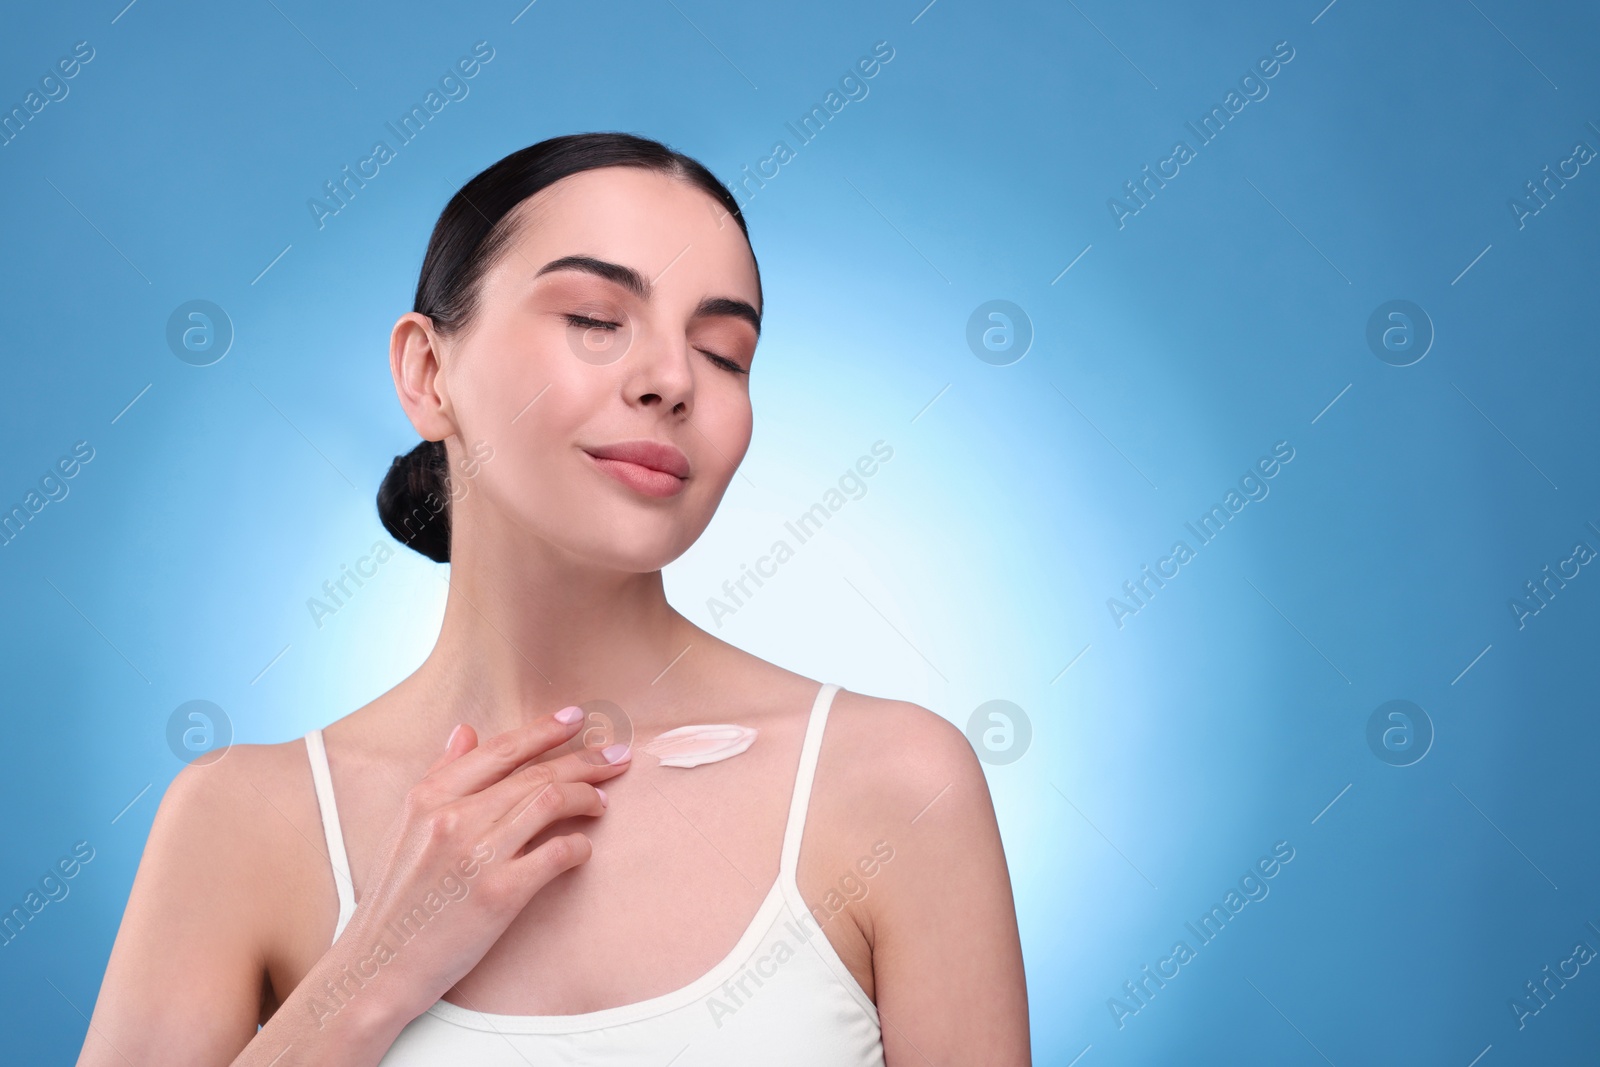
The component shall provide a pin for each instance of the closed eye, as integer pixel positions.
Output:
(723, 362)
(591, 324)
(587, 323)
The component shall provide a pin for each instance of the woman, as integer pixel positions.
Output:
(577, 364)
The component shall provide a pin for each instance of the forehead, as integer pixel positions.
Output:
(641, 219)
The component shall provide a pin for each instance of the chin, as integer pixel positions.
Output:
(635, 543)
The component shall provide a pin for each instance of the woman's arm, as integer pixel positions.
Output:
(946, 956)
(186, 980)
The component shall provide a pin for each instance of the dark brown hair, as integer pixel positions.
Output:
(472, 232)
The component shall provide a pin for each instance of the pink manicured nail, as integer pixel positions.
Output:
(603, 801)
(452, 737)
(614, 753)
(569, 715)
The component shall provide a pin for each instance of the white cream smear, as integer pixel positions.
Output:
(690, 746)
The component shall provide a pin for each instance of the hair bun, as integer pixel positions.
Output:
(414, 502)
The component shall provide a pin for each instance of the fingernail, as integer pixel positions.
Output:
(603, 801)
(452, 737)
(569, 715)
(614, 753)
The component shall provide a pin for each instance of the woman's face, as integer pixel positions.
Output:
(607, 365)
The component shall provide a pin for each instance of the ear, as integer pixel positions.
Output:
(415, 363)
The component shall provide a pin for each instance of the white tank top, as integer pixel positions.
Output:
(781, 996)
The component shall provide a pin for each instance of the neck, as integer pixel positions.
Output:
(529, 629)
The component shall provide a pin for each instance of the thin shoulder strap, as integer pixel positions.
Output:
(323, 780)
(794, 830)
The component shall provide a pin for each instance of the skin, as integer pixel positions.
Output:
(556, 596)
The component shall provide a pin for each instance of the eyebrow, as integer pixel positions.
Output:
(640, 286)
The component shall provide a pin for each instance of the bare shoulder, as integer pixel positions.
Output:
(902, 795)
(933, 900)
(898, 760)
(227, 821)
(229, 795)
(213, 907)
(237, 856)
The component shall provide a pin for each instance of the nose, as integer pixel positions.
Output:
(658, 374)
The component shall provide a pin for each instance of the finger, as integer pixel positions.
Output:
(499, 755)
(540, 866)
(541, 808)
(514, 789)
(462, 739)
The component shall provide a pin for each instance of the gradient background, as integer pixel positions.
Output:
(1229, 714)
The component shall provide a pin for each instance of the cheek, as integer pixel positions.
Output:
(718, 468)
(727, 420)
(725, 423)
(539, 427)
(523, 388)
(742, 429)
(531, 406)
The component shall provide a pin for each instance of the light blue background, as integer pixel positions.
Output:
(1224, 317)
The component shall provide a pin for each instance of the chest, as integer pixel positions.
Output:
(682, 863)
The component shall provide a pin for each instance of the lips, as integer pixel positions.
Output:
(648, 467)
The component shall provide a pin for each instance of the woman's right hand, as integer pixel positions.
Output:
(453, 864)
